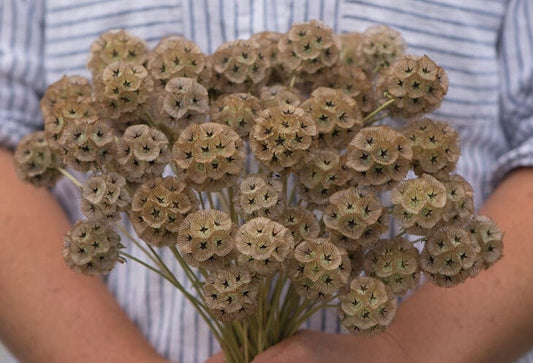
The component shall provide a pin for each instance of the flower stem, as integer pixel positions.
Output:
(367, 121)
(70, 177)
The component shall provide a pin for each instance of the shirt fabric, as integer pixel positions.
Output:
(486, 47)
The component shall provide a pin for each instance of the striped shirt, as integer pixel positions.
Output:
(486, 47)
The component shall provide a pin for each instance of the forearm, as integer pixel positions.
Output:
(488, 318)
(47, 312)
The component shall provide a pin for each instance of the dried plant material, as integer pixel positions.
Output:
(459, 207)
(35, 162)
(142, 153)
(489, 236)
(381, 46)
(352, 51)
(236, 110)
(210, 155)
(206, 239)
(366, 306)
(380, 156)
(277, 95)
(66, 88)
(302, 223)
(263, 245)
(259, 196)
(281, 137)
(395, 263)
(91, 248)
(104, 197)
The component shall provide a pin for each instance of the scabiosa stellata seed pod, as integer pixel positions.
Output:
(175, 56)
(66, 88)
(352, 211)
(36, 162)
(380, 156)
(336, 115)
(281, 137)
(259, 196)
(92, 248)
(142, 153)
(325, 174)
(417, 84)
(236, 110)
(459, 207)
(263, 245)
(302, 223)
(159, 207)
(319, 268)
(489, 236)
(395, 262)
(448, 256)
(366, 306)
(275, 95)
(206, 240)
(104, 197)
(307, 47)
(115, 45)
(351, 52)
(231, 293)
(381, 46)
(210, 155)
(435, 146)
(419, 203)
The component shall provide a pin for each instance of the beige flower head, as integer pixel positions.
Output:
(302, 223)
(459, 207)
(280, 95)
(381, 46)
(66, 88)
(489, 236)
(104, 197)
(259, 196)
(352, 51)
(236, 110)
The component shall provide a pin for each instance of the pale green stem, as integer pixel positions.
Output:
(367, 121)
(233, 213)
(70, 177)
(210, 199)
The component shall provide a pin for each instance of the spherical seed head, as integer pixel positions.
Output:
(175, 56)
(268, 43)
(36, 162)
(459, 207)
(417, 84)
(419, 203)
(366, 307)
(307, 47)
(123, 88)
(381, 46)
(91, 248)
(325, 174)
(104, 197)
(380, 156)
(281, 137)
(449, 251)
(352, 211)
(489, 236)
(395, 263)
(275, 95)
(66, 88)
(210, 155)
(142, 153)
(237, 110)
(302, 223)
(351, 49)
(435, 146)
(206, 239)
(158, 209)
(115, 45)
(259, 196)
(231, 293)
(263, 245)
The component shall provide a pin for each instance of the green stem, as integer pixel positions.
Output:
(202, 203)
(210, 199)
(223, 201)
(367, 121)
(233, 213)
(133, 258)
(70, 177)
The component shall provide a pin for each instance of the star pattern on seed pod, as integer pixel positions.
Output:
(459, 207)
(366, 306)
(489, 236)
(275, 95)
(206, 239)
(381, 46)
(67, 88)
(104, 197)
(302, 223)
(91, 248)
(236, 110)
(210, 156)
(259, 196)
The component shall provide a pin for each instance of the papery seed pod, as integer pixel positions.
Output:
(366, 307)
(268, 43)
(238, 111)
(206, 239)
(337, 117)
(263, 245)
(159, 207)
(380, 156)
(417, 84)
(104, 197)
(302, 223)
(395, 263)
(174, 56)
(352, 211)
(115, 45)
(319, 268)
(259, 196)
(36, 162)
(142, 153)
(419, 203)
(435, 146)
(281, 137)
(66, 88)
(210, 155)
(489, 236)
(275, 95)
(351, 50)
(381, 46)
(231, 293)
(459, 207)
(450, 252)
(325, 174)
(91, 248)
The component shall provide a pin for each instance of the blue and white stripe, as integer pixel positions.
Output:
(486, 46)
